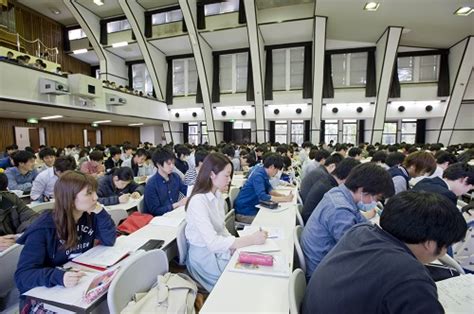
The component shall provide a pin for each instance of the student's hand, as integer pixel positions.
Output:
(259, 237)
(370, 214)
(182, 202)
(71, 278)
(290, 197)
(135, 195)
(6, 241)
(124, 198)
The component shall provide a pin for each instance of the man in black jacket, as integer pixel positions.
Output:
(118, 187)
(114, 161)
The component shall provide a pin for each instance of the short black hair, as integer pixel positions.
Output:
(22, 156)
(442, 157)
(355, 151)
(333, 159)
(65, 163)
(228, 150)
(392, 148)
(394, 159)
(123, 173)
(96, 155)
(46, 152)
(250, 159)
(114, 150)
(372, 178)
(460, 170)
(286, 162)
(182, 150)
(344, 168)
(273, 159)
(415, 217)
(127, 147)
(306, 144)
(321, 154)
(3, 182)
(282, 149)
(199, 156)
(161, 155)
(141, 152)
(379, 156)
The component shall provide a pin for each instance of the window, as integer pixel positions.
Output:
(118, 26)
(418, 69)
(297, 131)
(204, 136)
(193, 133)
(330, 131)
(77, 33)
(389, 135)
(141, 79)
(349, 69)
(279, 69)
(288, 68)
(221, 7)
(184, 77)
(408, 134)
(97, 74)
(239, 125)
(233, 72)
(349, 131)
(167, 17)
(281, 131)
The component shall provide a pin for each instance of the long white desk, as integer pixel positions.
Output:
(239, 292)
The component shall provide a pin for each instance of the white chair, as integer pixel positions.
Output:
(182, 244)
(298, 198)
(230, 222)
(117, 215)
(132, 278)
(141, 204)
(299, 251)
(39, 207)
(451, 262)
(296, 289)
(234, 191)
(8, 261)
(299, 218)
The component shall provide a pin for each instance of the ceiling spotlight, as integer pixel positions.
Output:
(99, 2)
(463, 11)
(120, 44)
(79, 51)
(371, 6)
(54, 11)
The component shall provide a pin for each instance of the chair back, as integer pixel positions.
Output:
(296, 289)
(299, 217)
(117, 215)
(141, 204)
(8, 261)
(230, 222)
(182, 244)
(299, 251)
(233, 192)
(132, 278)
(451, 262)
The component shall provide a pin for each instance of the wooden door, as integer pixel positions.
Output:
(34, 138)
(91, 137)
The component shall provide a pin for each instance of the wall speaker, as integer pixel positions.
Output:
(276, 111)
(195, 114)
(176, 114)
(401, 108)
(335, 110)
(359, 109)
(243, 112)
(429, 108)
(298, 110)
(223, 113)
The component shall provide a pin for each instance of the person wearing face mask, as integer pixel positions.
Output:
(118, 187)
(341, 208)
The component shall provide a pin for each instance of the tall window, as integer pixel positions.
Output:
(193, 133)
(141, 79)
(118, 26)
(330, 131)
(204, 134)
(281, 131)
(167, 17)
(221, 7)
(389, 135)
(240, 125)
(184, 77)
(349, 69)
(77, 33)
(233, 72)
(408, 134)
(288, 68)
(349, 131)
(297, 131)
(418, 69)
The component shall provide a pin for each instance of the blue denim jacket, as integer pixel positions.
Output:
(334, 215)
(18, 181)
(256, 189)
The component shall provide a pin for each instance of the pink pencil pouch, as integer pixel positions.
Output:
(255, 259)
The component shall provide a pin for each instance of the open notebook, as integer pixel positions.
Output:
(456, 294)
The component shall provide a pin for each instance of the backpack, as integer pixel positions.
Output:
(134, 222)
(173, 293)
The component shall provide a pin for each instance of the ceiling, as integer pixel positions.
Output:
(153, 4)
(128, 53)
(232, 38)
(268, 4)
(109, 9)
(89, 57)
(171, 46)
(12, 110)
(44, 7)
(287, 32)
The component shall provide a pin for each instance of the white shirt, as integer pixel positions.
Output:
(205, 219)
(43, 185)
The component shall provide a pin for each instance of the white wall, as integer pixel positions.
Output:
(152, 134)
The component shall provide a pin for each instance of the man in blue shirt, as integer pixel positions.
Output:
(21, 176)
(341, 208)
(162, 191)
(257, 188)
(380, 269)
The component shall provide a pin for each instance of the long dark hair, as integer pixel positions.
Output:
(65, 191)
(215, 162)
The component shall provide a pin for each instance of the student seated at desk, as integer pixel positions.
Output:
(95, 165)
(118, 186)
(258, 188)
(47, 156)
(43, 186)
(58, 236)
(376, 269)
(21, 176)
(15, 216)
(114, 161)
(342, 207)
(162, 191)
(192, 173)
(136, 162)
(210, 243)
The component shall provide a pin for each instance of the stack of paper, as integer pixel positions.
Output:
(456, 294)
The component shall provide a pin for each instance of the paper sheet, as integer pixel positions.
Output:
(171, 219)
(273, 232)
(268, 246)
(457, 294)
(102, 256)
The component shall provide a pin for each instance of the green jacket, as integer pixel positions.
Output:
(15, 216)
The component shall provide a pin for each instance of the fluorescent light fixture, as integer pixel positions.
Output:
(32, 120)
(79, 51)
(464, 11)
(120, 44)
(371, 6)
(99, 2)
(51, 117)
(135, 124)
(102, 121)
(94, 125)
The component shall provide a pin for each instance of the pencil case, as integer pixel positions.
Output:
(255, 259)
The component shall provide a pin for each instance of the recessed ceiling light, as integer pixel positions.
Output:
(51, 117)
(463, 11)
(99, 2)
(102, 121)
(371, 6)
(55, 11)
(135, 124)
(79, 51)
(120, 44)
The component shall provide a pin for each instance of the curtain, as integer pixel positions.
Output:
(328, 88)
(250, 90)
(443, 79)
(66, 43)
(272, 131)
(269, 75)
(322, 131)
(185, 132)
(199, 93)
(148, 25)
(242, 17)
(169, 83)
(307, 130)
(216, 87)
(228, 131)
(420, 137)
(370, 85)
(103, 32)
(308, 72)
(201, 18)
(361, 129)
(395, 84)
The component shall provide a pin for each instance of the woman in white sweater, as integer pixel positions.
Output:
(210, 243)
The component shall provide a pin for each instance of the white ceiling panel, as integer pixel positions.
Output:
(287, 32)
(88, 57)
(129, 52)
(109, 9)
(232, 38)
(46, 7)
(171, 46)
(154, 4)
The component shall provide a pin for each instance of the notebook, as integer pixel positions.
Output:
(280, 268)
(456, 294)
(101, 256)
(269, 246)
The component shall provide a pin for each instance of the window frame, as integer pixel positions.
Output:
(165, 13)
(281, 134)
(195, 135)
(344, 135)
(416, 69)
(233, 73)
(287, 66)
(390, 133)
(75, 29)
(402, 134)
(121, 21)
(186, 77)
(347, 59)
(220, 8)
(293, 134)
(327, 135)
